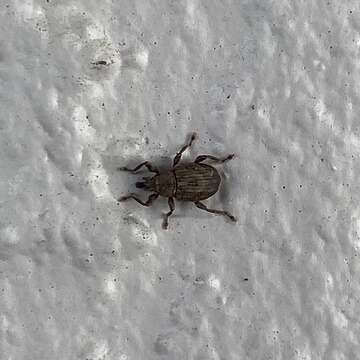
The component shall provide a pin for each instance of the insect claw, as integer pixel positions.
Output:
(231, 217)
(123, 198)
(165, 225)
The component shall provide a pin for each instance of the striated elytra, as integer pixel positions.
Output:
(186, 182)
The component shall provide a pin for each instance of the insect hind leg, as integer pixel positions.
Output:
(202, 158)
(202, 206)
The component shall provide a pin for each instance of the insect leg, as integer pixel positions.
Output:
(201, 158)
(202, 206)
(166, 216)
(145, 163)
(148, 202)
(178, 155)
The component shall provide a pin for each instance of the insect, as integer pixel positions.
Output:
(193, 182)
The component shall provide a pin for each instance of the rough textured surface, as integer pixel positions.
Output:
(87, 86)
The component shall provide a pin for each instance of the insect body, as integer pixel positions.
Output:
(196, 182)
(186, 182)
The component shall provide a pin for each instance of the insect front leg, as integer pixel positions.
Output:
(201, 158)
(145, 163)
(202, 206)
(177, 158)
(166, 216)
(148, 202)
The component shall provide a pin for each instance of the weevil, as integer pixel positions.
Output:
(192, 182)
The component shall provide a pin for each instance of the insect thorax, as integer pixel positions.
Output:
(165, 184)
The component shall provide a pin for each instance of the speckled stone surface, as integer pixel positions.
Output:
(87, 86)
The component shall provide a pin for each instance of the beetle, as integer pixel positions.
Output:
(193, 182)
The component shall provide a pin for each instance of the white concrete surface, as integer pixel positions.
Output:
(83, 277)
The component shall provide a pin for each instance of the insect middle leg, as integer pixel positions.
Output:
(148, 202)
(177, 157)
(201, 158)
(202, 206)
(166, 216)
(145, 163)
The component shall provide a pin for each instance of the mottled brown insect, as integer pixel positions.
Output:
(186, 182)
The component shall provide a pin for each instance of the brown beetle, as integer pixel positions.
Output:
(186, 182)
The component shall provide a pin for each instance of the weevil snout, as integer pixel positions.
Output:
(140, 185)
(147, 184)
